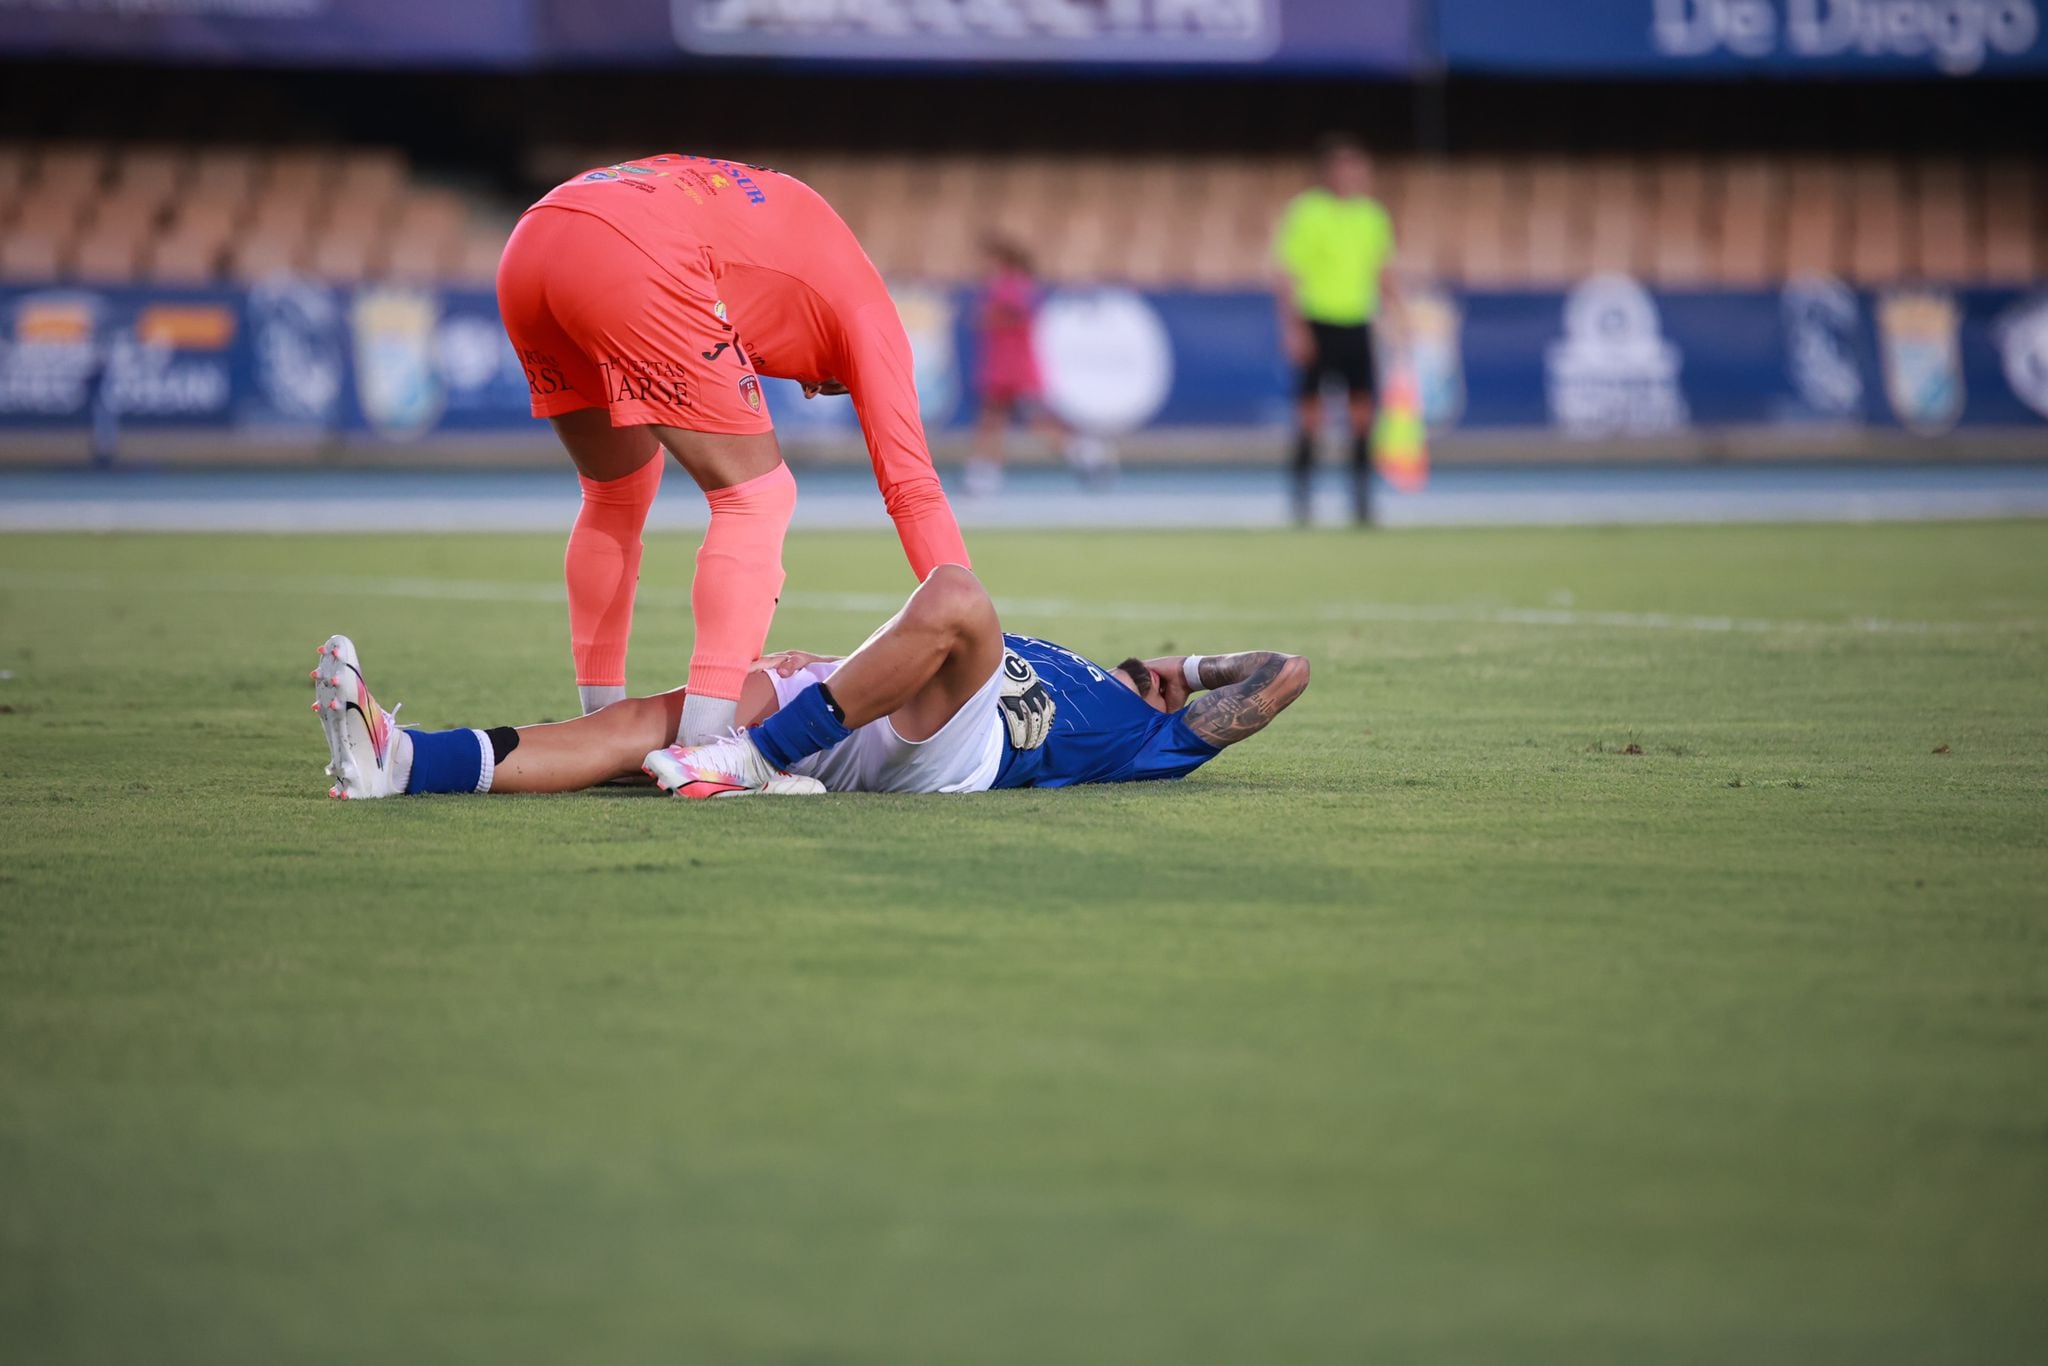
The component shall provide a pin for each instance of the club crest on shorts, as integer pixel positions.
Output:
(750, 390)
(1923, 359)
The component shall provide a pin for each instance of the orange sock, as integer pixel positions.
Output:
(603, 569)
(739, 577)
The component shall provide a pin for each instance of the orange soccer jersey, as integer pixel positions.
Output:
(658, 289)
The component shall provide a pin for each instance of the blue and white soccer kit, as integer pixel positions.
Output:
(1101, 732)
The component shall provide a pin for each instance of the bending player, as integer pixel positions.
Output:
(645, 300)
(938, 700)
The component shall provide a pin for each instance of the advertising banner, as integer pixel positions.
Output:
(1608, 358)
(484, 33)
(1663, 38)
(1332, 35)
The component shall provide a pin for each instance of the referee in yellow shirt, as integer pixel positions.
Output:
(1333, 249)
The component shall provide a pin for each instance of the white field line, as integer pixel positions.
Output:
(1022, 612)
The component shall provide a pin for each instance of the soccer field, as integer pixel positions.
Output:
(1632, 948)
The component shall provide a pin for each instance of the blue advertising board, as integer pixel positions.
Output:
(484, 33)
(1608, 358)
(1662, 38)
(1331, 35)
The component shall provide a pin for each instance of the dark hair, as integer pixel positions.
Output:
(1139, 673)
(1009, 251)
(1335, 144)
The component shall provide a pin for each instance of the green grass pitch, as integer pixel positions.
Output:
(1633, 948)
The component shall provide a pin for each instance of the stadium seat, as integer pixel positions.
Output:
(1814, 228)
(1558, 209)
(71, 170)
(1492, 236)
(1415, 198)
(476, 257)
(254, 257)
(16, 164)
(109, 254)
(1944, 235)
(1877, 238)
(2012, 222)
(1616, 234)
(1678, 249)
(149, 175)
(30, 257)
(1746, 231)
(184, 260)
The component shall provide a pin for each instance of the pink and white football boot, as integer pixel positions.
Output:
(731, 767)
(363, 740)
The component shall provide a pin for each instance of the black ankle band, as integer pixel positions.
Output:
(504, 739)
(832, 704)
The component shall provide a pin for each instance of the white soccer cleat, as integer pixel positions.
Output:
(361, 736)
(731, 767)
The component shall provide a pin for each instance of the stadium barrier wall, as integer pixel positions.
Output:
(1941, 39)
(1290, 35)
(1661, 39)
(1609, 361)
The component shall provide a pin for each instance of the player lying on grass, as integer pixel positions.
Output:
(938, 700)
(645, 300)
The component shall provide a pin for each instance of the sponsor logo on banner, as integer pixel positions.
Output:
(2022, 338)
(172, 363)
(48, 355)
(1956, 37)
(295, 328)
(927, 316)
(1436, 346)
(472, 354)
(1821, 328)
(1018, 30)
(1613, 373)
(1106, 359)
(398, 385)
(1918, 333)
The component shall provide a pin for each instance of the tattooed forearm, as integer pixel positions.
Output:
(1250, 690)
(1220, 671)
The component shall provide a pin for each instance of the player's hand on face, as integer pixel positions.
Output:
(1173, 690)
(1169, 674)
(787, 663)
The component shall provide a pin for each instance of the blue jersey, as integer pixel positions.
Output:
(1102, 732)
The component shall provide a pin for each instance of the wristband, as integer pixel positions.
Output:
(1191, 672)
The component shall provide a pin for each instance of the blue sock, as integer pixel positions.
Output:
(803, 727)
(450, 761)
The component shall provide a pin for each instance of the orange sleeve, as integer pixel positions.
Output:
(882, 379)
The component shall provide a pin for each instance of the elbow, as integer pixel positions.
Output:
(1293, 678)
(913, 497)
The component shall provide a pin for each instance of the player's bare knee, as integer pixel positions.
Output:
(646, 722)
(951, 598)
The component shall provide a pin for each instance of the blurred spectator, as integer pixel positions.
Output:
(1007, 379)
(1334, 248)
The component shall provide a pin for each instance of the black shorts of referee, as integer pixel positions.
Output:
(1343, 353)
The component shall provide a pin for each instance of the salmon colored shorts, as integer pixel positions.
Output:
(598, 323)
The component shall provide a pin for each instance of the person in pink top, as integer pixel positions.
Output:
(645, 300)
(1007, 378)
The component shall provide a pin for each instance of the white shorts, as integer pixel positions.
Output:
(964, 756)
